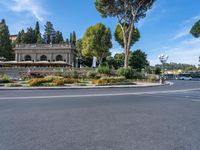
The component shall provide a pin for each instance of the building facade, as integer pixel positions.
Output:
(13, 38)
(44, 53)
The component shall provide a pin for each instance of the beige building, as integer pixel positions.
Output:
(44, 53)
(13, 38)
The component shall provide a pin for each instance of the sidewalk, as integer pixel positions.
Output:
(139, 85)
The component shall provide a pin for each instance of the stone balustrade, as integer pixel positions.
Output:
(42, 46)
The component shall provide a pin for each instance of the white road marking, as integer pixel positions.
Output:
(194, 100)
(97, 95)
(177, 98)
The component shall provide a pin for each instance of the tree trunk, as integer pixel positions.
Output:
(127, 35)
(128, 38)
(126, 58)
(100, 61)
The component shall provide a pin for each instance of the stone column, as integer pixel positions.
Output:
(51, 57)
(69, 58)
(72, 58)
(35, 59)
(66, 57)
(16, 56)
(20, 57)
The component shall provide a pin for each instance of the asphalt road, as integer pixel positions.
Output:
(156, 118)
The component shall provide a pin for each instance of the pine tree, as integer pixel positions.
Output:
(30, 36)
(23, 36)
(49, 34)
(40, 39)
(5, 42)
(58, 37)
(19, 38)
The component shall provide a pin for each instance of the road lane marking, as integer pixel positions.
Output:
(98, 95)
(176, 97)
(194, 100)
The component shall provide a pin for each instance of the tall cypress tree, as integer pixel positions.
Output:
(37, 32)
(73, 39)
(5, 42)
(67, 41)
(70, 38)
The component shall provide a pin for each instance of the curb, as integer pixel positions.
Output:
(85, 87)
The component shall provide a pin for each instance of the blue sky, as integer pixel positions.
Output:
(165, 30)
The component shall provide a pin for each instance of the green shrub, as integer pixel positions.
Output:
(80, 84)
(158, 71)
(4, 79)
(104, 70)
(152, 78)
(114, 79)
(128, 73)
(139, 75)
(108, 80)
(92, 75)
(75, 74)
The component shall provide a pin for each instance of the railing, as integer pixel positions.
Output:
(42, 46)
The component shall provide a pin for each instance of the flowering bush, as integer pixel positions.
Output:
(70, 81)
(58, 82)
(114, 79)
(108, 80)
(53, 77)
(38, 82)
(100, 82)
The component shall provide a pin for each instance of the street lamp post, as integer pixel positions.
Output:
(163, 60)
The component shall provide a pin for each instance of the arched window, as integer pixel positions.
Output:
(27, 58)
(43, 58)
(59, 58)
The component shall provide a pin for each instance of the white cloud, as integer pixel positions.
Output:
(191, 20)
(19, 25)
(185, 31)
(29, 6)
(152, 15)
(181, 33)
(116, 50)
(187, 51)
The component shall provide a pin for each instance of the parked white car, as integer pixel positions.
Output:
(185, 78)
